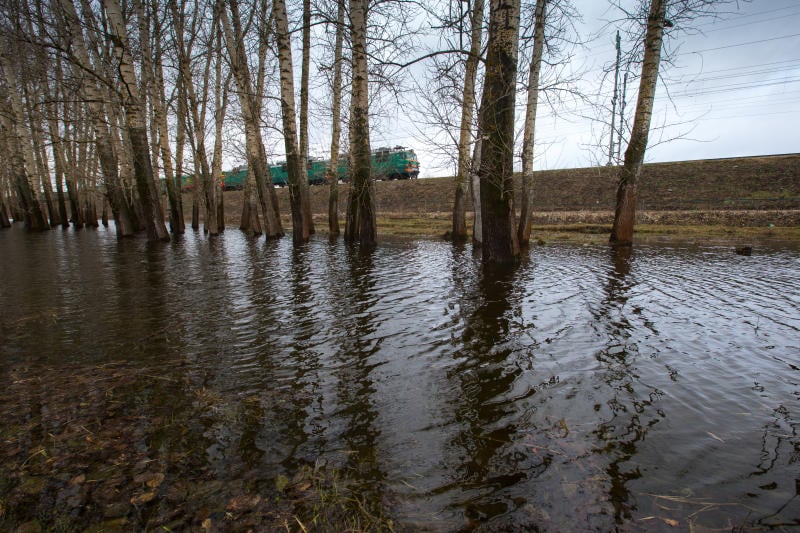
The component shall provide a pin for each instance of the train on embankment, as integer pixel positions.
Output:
(396, 163)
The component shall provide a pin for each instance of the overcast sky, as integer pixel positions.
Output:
(734, 88)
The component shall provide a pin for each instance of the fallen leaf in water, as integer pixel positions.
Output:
(714, 436)
(245, 502)
(155, 481)
(80, 479)
(670, 522)
(143, 498)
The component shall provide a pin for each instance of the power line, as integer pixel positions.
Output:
(741, 44)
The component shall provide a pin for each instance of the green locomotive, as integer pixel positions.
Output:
(387, 164)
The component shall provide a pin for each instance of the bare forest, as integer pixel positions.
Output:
(108, 105)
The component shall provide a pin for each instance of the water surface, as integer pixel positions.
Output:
(584, 390)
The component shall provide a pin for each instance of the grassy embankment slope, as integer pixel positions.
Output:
(750, 197)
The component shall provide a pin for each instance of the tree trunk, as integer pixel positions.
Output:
(42, 167)
(5, 219)
(625, 210)
(221, 104)
(360, 224)
(135, 123)
(72, 35)
(475, 186)
(192, 109)
(336, 127)
(32, 213)
(20, 151)
(158, 103)
(304, 108)
(526, 210)
(459, 229)
(297, 178)
(180, 133)
(497, 128)
(59, 164)
(72, 121)
(251, 114)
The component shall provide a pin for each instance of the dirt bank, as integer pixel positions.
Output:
(738, 192)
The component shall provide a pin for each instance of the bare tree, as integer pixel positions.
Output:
(153, 58)
(251, 105)
(135, 123)
(459, 230)
(659, 15)
(526, 211)
(191, 110)
(304, 90)
(360, 224)
(496, 127)
(298, 180)
(18, 143)
(336, 112)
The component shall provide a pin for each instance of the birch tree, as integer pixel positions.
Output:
(658, 15)
(526, 211)
(298, 180)
(152, 68)
(360, 224)
(336, 112)
(625, 208)
(250, 103)
(191, 112)
(459, 229)
(135, 123)
(304, 90)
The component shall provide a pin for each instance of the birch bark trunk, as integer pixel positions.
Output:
(251, 109)
(19, 147)
(360, 224)
(459, 229)
(135, 123)
(336, 127)
(526, 210)
(297, 177)
(625, 210)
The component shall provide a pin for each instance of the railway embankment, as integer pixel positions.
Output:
(756, 192)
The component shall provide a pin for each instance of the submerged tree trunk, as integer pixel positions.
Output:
(135, 123)
(298, 181)
(158, 103)
(475, 186)
(251, 114)
(360, 224)
(221, 99)
(5, 216)
(459, 229)
(59, 164)
(625, 209)
(526, 209)
(497, 129)
(192, 110)
(304, 89)
(19, 150)
(336, 128)
(32, 213)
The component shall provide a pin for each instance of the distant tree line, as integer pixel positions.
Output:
(117, 96)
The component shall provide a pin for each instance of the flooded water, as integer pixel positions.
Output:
(195, 384)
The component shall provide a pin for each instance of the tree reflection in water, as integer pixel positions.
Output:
(630, 409)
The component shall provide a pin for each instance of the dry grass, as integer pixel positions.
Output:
(729, 199)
